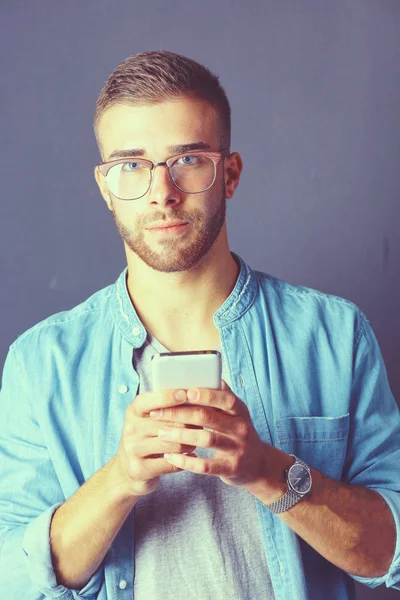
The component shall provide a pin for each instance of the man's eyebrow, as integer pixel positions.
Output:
(172, 149)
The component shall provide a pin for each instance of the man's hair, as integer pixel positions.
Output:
(157, 76)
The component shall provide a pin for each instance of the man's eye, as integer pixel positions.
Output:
(188, 160)
(131, 166)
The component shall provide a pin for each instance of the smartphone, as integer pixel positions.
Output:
(185, 370)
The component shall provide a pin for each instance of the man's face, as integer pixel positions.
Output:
(153, 129)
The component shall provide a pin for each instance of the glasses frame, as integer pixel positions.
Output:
(216, 157)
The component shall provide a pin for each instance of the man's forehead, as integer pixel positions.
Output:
(179, 112)
(163, 125)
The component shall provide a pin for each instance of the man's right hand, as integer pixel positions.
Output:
(139, 462)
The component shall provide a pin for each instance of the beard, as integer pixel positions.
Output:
(177, 254)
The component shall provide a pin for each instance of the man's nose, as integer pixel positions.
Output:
(162, 188)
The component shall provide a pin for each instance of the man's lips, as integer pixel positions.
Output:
(167, 225)
(169, 230)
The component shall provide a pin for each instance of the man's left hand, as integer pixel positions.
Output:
(241, 458)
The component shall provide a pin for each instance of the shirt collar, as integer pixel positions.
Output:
(235, 305)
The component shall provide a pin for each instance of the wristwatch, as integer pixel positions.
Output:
(299, 481)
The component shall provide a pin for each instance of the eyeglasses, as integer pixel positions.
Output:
(130, 178)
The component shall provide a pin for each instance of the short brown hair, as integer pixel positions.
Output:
(155, 76)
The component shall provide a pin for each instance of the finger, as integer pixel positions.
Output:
(147, 401)
(149, 428)
(199, 439)
(201, 466)
(172, 424)
(225, 387)
(140, 429)
(223, 400)
(171, 448)
(196, 417)
(155, 446)
(159, 466)
(153, 427)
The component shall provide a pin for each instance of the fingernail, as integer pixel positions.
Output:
(155, 413)
(181, 395)
(193, 395)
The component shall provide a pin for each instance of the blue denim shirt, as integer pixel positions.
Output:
(308, 366)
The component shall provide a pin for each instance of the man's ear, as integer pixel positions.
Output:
(101, 182)
(232, 173)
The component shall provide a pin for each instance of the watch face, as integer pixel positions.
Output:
(299, 479)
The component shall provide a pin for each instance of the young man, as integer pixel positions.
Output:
(84, 511)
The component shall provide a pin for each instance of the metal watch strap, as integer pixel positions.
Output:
(289, 499)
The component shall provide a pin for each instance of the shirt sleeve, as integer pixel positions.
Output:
(373, 454)
(30, 493)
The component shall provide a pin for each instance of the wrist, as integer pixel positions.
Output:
(117, 485)
(272, 483)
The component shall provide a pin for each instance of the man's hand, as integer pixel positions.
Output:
(139, 462)
(241, 458)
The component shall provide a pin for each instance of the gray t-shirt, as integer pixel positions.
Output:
(196, 538)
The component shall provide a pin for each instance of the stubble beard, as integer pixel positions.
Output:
(177, 254)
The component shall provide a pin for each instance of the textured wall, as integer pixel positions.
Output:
(315, 94)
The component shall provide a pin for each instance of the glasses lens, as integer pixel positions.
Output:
(129, 180)
(193, 173)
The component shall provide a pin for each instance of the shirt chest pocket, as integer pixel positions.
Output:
(321, 442)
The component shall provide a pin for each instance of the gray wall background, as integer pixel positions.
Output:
(315, 93)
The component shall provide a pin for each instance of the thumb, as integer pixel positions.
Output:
(225, 387)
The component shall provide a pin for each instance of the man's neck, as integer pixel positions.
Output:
(184, 301)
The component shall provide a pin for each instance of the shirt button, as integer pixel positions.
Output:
(282, 570)
(136, 331)
(123, 389)
(122, 584)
